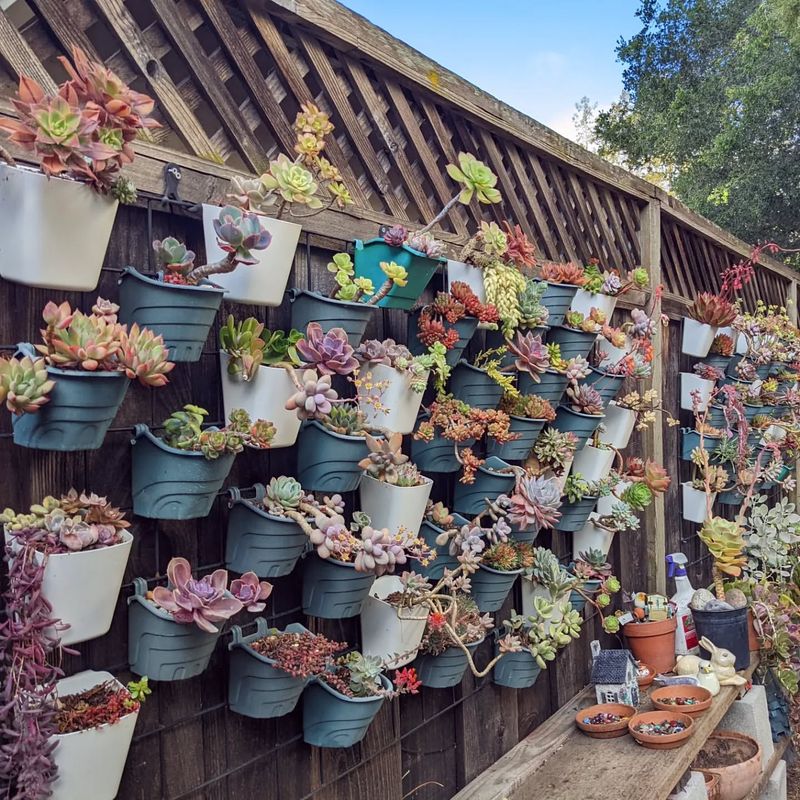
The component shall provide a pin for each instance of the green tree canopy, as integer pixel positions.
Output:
(712, 100)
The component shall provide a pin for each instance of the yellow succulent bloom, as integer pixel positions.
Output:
(395, 272)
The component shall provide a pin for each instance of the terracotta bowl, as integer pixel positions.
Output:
(735, 759)
(658, 696)
(613, 729)
(654, 741)
(646, 680)
(712, 784)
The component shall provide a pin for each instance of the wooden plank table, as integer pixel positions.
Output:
(559, 762)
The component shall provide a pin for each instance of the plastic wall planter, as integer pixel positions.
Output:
(183, 315)
(582, 425)
(516, 670)
(609, 354)
(530, 590)
(519, 449)
(551, 385)
(558, 299)
(261, 542)
(444, 670)
(584, 302)
(465, 327)
(717, 360)
(394, 507)
(90, 763)
(368, 258)
(726, 629)
(314, 307)
(618, 426)
(434, 570)
(733, 497)
(438, 455)
(697, 338)
(574, 515)
(264, 282)
(473, 386)
(401, 402)
(690, 439)
(591, 537)
(577, 600)
(694, 503)
(256, 688)
(161, 648)
(81, 409)
(466, 273)
(490, 587)
(331, 719)
(594, 463)
(691, 383)
(173, 484)
(328, 461)
(607, 385)
(573, 343)
(389, 632)
(333, 589)
(715, 416)
(493, 477)
(264, 396)
(54, 232)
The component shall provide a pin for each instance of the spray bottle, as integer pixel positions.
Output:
(685, 634)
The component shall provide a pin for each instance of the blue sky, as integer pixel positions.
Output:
(540, 56)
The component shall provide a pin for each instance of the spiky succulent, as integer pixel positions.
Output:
(328, 351)
(564, 273)
(501, 556)
(284, 492)
(554, 448)
(144, 356)
(535, 503)
(548, 572)
(530, 354)
(712, 309)
(24, 384)
(585, 399)
(385, 456)
(314, 396)
(345, 419)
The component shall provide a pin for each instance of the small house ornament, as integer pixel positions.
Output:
(614, 676)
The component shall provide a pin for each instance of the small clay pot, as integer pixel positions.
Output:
(739, 760)
(613, 729)
(654, 741)
(712, 784)
(653, 643)
(660, 696)
(645, 680)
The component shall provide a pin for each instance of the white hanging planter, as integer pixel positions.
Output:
(90, 763)
(401, 401)
(388, 632)
(531, 590)
(606, 503)
(741, 344)
(697, 337)
(472, 276)
(264, 282)
(691, 383)
(594, 463)
(53, 232)
(584, 302)
(618, 425)
(776, 432)
(591, 537)
(393, 507)
(694, 503)
(263, 397)
(611, 355)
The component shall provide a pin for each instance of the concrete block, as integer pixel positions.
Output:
(776, 788)
(695, 789)
(751, 716)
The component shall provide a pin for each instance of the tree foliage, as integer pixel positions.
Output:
(711, 103)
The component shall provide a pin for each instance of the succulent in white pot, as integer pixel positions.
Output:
(697, 387)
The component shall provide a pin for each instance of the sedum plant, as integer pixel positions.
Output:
(571, 274)
(531, 406)
(351, 289)
(533, 313)
(547, 630)
(249, 347)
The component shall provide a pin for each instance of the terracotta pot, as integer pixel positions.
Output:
(645, 679)
(660, 697)
(653, 643)
(613, 729)
(654, 741)
(724, 747)
(712, 784)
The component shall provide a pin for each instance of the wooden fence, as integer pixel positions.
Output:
(228, 78)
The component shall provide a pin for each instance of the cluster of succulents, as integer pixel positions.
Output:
(555, 449)
(584, 399)
(709, 372)
(448, 308)
(548, 629)
(314, 398)
(570, 274)
(357, 675)
(576, 487)
(533, 313)
(299, 654)
(249, 346)
(531, 406)
(464, 619)
(547, 571)
(386, 462)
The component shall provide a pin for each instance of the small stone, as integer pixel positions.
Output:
(700, 598)
(718, 605)
(736, 597)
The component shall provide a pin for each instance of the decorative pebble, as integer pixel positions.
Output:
(718, 605)
(680, 701)
(700, 598)
(665, 728)
(603, 718)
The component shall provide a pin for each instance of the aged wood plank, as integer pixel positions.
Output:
(607, 199)
(19, 55)
(62, 23)
(603, 214)
(590, 224)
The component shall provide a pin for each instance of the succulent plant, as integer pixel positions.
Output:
(554, 448)
(348, 287)
(345, 419)
(284, 491)
(328, 351)
(564, 273)
(438, 514)
(174, 256)
(501, 556)
(243, 343)
(655, 477)
(638, 496)
(712, 309)
(548, 572)
(476, 179)
(144, 356)
(426, 244)
(380, 551)
(314, 396)
(24, 384)
(239, 232)
(585, 399)
(292, 181)
(384, 457)
(364, 674)
(395, 236)
(332, 538)
(520, 250)
(530, 354)
(535, 503)
(722, 345)
(532, 310)
(183, 431)
(251, 592)
(503, 284)
(724, 540)
(531, 406)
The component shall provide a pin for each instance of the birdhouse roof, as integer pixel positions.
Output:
(611, 666)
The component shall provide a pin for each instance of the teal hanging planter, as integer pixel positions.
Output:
(368, 257)
(168, 483)
(473, 386)
(183, 315)
(444, 670)
(718, 361)
(716, 416)
(551, 385)
(524, 535)
(308, 307)
(574, 515)
(518, 449)
(331, 719)
(81, 409)
(582, 425)
(577, 600)
(333, 589)
(328, 461)
(490, 587)
(516, 670)
(437, 455)
(571, 342)
(465, 327)
(558, 298)
(494, 477)
(261, 542)
(733, 497)
(752, 410)
(428, 532)
(690, 439)
(607, 385)
(256, 687)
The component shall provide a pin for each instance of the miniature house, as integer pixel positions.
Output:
(614, 677)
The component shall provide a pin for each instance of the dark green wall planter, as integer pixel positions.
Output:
(329, 313)
(495, 340)
(582, 425)
(608, 385)
(333, 589)
(551, 385)
(468, 498)
(752, 410)
(437, 455)
(82, 407)
(718, 361)
(726, 629)
(732, 497)
(574, 515)
(524, 535)
(435, 568)
(256, 540)
(716, 416)
(173, 484)
(466, 328)
(256, 688)
(183, 315)
(690, 439)
(328, 461)
(516, 670)
(572, 343)
(368, 257)
(473, 386)
(558, 298)
(519, 449)
(577, 600)
(331, 719)
(490, 587)
(445, 670)
(161, 648)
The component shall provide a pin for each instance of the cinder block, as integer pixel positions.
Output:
(751, 716)
(695, 789)
(776, 788)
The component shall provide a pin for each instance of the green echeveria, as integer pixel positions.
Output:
(638, 496)
(293, 182)
(475, 179)
(640, 277)
(285, 491)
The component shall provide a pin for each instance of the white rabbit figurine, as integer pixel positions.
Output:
(707, 678)
(724, 664)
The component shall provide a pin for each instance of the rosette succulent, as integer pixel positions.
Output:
(530, 354)
(328, 351)
(314, 396)
(476, 179)
(535, 503)
(284, 491)
(384, 457)
(24, 384)
(585, 399)
(292, 181)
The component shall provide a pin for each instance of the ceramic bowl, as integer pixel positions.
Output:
(613, 729)
(656, 741)
(645, 680)
(660, 696)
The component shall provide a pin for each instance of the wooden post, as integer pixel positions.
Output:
(653, 438)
